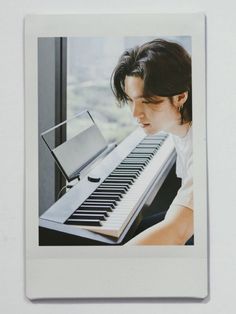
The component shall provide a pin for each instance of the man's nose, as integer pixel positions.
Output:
(137, 110)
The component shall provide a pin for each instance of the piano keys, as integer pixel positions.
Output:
(129, 177)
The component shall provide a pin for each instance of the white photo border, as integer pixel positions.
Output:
(120, 271)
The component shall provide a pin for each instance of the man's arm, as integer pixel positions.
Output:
(175, 229)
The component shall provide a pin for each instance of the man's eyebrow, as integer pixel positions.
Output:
(156, 101)
(135, 98)
(148, 98)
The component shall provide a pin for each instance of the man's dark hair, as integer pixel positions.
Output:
(165, 68)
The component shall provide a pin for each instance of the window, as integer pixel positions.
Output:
(91, 61)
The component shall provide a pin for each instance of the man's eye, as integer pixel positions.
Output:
(152, 102)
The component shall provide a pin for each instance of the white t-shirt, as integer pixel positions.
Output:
(184, 169)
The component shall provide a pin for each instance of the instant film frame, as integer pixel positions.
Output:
(121, 271)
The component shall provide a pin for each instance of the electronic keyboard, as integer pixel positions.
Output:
(106, 202)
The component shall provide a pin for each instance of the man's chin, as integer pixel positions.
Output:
(150, 131)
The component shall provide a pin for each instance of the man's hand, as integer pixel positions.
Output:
(175, 229)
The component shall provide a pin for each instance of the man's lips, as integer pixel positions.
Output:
(144, 124)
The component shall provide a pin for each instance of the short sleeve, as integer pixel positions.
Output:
(184, 196)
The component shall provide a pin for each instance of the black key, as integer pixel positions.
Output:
(108, 194)
(96, 207)
(139, 161)
(100, 202)
(137, 167)
(148, 156)
(125, 177)
(84, 222)
(131, 162)
(113, 180)
(114, 190)
(152, 142)
(130, 167)
(122, 169)
(144, 151)
(87, 216)
(125, 186)
(86, 211)
(127, 172)
(135, 162)
(104, 196)
(96, 201)
(138, 157)
(119, 180)
(122, 175)
(144, 146)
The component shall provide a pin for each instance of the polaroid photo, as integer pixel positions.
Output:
(115, 156)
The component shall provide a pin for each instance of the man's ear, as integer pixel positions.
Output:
(180, 99)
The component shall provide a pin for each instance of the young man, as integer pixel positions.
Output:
(155, 80)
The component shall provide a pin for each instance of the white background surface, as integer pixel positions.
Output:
(221, 118)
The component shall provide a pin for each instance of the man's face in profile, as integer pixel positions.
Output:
(158, 114)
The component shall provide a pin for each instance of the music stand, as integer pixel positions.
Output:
(83, 145)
